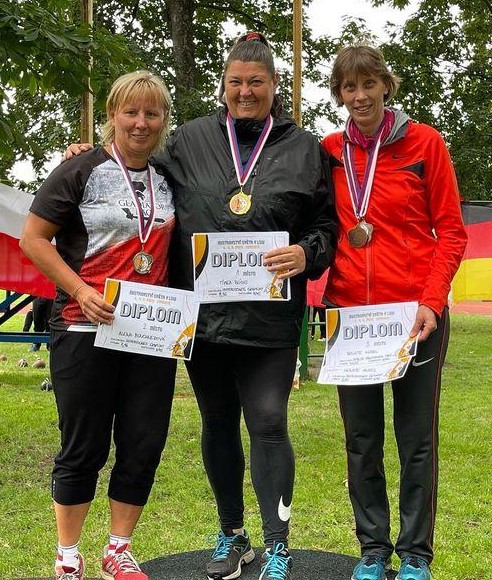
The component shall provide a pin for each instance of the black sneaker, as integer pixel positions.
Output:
(276, 563)
(231, 552)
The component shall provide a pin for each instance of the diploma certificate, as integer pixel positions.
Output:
(152, 320)
(367, 345)
(229, 267)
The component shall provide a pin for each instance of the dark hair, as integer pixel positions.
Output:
(252, 47)
(361, 59)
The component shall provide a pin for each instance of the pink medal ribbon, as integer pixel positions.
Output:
(142, 261)
(360, 235)
(240, 202)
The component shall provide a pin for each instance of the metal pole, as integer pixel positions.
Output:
(297, 50)
(87, 105)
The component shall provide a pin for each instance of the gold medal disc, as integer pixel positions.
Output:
(142, 262)
(240, 203)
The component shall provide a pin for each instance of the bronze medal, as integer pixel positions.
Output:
(142, 262)
(361, 235)
(240, 203)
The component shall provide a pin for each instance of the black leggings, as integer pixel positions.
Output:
(226, 379)
(101, 394)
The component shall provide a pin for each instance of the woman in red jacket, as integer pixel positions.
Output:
(401, 238)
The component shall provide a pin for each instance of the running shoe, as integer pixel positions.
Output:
(69, 573)
(230, 553)
(121, 565)
(370, 568)
(414, 568)
(276, 563)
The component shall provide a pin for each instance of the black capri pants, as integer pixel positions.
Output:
(102, 393)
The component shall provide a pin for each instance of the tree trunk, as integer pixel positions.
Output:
(180, 18)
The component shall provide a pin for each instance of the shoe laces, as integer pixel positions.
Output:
(277, 562)
(72, 575)
(223, 547)
(125, 562)
(416, 562)
(372, 560)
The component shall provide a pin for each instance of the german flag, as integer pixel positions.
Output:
(473, 281)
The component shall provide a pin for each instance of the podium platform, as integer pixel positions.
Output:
(308, 565)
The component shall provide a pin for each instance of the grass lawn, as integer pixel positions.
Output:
(181, 515)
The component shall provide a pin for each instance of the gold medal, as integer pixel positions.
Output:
(240, 203)
(142, 262)
(361, 235)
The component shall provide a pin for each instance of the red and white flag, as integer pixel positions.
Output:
(17, 272)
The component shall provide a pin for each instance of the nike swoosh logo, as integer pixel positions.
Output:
(419, 364)
(284, 510)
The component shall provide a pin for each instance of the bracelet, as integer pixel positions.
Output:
(74, 293)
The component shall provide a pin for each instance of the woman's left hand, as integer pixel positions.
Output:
(287, 261)
(425, 323)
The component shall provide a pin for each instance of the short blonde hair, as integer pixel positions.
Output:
(134, 86)
(361, 59)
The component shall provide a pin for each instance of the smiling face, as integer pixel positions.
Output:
(363, 98)
(137, 129)
(249, 90)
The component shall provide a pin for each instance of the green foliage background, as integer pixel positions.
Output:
(443, 52)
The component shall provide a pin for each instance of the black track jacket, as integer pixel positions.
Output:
(291, 191)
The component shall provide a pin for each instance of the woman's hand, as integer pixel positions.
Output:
(287, 261)
(93, 305)
(425, 323)
(76, 149)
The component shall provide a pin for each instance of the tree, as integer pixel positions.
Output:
(186, 40)
(444, 55)
(44, 53)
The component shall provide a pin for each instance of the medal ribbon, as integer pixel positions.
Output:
(243, 172)
(144, 228)
(360, 193)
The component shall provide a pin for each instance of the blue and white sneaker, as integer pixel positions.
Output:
(370, 568)
(276, 563)
(413, 568)
(230, 553)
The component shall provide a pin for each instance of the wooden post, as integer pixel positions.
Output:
(297, 50)
(297, 114)
(87, 106)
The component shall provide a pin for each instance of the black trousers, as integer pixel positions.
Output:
(101, 394)
(415, 418)
(39, 315)
(230, 378)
